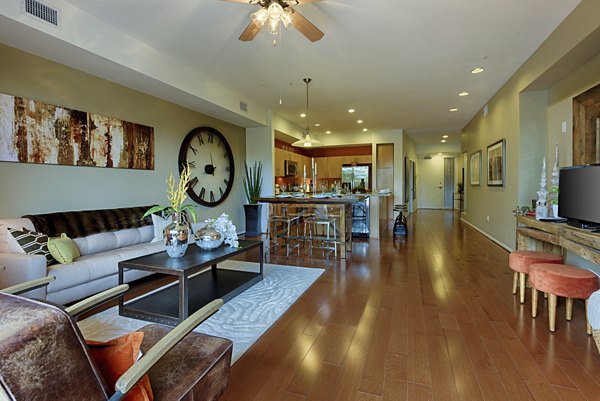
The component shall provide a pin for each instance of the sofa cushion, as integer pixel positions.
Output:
(96, 243)
(95, 266)
(32, 243)
(103, 242)
(159, 224)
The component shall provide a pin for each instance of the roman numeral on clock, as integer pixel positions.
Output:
(202, 193)
(226, 181)
(193, 182)
(212, 196)
(221, 191)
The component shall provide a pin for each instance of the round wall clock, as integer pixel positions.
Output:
(209, 156)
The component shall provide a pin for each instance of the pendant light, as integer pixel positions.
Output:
(307, 141)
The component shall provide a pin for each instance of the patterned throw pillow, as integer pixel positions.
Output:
(32, 243)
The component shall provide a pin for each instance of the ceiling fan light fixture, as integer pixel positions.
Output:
(277, 15)
(260, 16)
(273, 26)
(286, 18)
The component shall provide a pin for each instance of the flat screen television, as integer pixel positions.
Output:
(579, 195)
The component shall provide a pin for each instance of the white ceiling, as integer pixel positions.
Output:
(400, 64)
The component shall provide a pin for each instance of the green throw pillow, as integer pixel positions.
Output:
(63, 249)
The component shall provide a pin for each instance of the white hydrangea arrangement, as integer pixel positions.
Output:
(226, 228)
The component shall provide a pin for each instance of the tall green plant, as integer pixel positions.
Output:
(253, 181)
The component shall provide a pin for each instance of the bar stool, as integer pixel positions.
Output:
(322, 221)
(400, 226)
(287, 222)
(520, 260)
(560, 280)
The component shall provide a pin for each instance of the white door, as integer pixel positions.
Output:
(431, 186)
(448, 182)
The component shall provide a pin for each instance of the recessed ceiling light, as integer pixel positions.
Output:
(453, 109)
(365, 129)
(440, 153)
(303, 115)
(317, 125)
(477, 70)
(359, 121)
(445, 136)
(328, 132)
(463, 93)
(443, 141)
(351, 110)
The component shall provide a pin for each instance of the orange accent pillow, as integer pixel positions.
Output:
(114, 357)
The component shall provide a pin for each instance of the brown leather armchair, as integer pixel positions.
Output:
(43, 356)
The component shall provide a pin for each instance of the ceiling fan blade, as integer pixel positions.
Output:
(298, 2)
(251, 31)
(306, 27)
(242, 1)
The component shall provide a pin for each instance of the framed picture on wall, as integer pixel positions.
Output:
(495, 160)
(414, 180)
(476, 168)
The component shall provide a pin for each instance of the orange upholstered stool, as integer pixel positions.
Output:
(519, 262)
(560, 281)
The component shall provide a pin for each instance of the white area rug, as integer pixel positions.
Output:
(242, 320)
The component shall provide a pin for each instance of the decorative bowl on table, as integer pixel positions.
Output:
(208, 238)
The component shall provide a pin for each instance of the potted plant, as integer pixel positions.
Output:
(177, 232)
(252, 187)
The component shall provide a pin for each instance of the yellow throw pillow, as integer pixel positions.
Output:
(63, 249)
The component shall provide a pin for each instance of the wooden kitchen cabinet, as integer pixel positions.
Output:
(279, 158)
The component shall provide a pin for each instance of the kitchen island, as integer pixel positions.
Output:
(342, 204)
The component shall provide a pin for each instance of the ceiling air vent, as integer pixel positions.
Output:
(243, 106)
(42, 11)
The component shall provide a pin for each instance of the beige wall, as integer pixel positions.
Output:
(30, 188)
(490, 208)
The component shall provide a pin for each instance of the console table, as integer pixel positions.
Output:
(199, 282)
(556, 237)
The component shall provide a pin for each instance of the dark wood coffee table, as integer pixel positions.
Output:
(197, 285)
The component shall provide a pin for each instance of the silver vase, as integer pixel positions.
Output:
(208, 238)
(176, 237)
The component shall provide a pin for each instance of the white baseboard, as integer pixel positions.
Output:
(488, 236)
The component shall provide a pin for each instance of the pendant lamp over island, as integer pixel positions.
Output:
(307, 141)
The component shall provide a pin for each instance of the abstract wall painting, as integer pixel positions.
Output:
(35, 132)
(496, 166)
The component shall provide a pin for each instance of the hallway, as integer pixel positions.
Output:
(430, 317)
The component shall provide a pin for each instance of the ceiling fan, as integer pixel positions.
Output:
(275, 13)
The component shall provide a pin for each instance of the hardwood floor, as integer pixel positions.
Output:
(430, 317)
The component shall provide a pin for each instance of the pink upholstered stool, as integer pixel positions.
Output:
(519, 261)
(562, 281)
